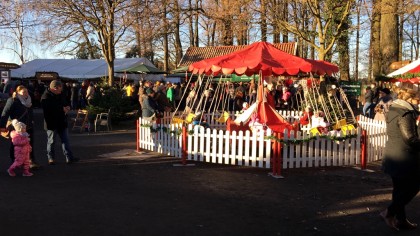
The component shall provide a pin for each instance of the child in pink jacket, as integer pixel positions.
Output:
(20, 140)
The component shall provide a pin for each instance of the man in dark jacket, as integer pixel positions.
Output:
(55, 110)
(402, 159)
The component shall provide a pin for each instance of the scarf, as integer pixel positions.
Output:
(27, 102)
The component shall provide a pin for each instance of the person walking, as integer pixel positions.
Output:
(74, 96)
(90, 93)
(20, 140)
(368, 96)
(402, 159)
(55, 121)
(19, 107)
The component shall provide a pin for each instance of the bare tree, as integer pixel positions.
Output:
(69, 21)
(326, 32)
(389, 34)
(17, 28)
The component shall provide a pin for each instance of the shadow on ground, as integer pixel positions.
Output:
(116, 191)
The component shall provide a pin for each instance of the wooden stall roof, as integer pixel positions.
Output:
(194, 54)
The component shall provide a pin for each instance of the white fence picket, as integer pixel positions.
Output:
(376, 137)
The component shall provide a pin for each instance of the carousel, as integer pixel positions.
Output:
(321, 103)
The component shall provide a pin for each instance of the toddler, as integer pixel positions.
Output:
(22, 148)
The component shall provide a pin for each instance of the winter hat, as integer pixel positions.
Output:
(386, 91)
(55, 84)
(149, 91)
(18, 125)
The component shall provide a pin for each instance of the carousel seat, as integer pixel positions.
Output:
(223, 117)
(314, 131)
(177, 120)
(346, 128)
(340, 123)
(190, 117)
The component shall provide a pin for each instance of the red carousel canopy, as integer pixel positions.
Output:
(261, 56)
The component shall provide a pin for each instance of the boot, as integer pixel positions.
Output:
(26, 173)
(11, 172)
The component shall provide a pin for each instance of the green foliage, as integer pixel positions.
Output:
(88, 50)
(111, 98)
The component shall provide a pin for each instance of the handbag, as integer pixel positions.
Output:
(6, 134)
(9, 126)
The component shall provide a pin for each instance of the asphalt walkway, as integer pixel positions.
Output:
(114, 190)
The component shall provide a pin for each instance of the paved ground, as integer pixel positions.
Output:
(115, 191)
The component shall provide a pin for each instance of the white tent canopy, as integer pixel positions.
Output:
(405, 69)
(80, 69)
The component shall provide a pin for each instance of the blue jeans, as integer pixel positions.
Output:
(64, 137)
(366, 108)
(372, 110)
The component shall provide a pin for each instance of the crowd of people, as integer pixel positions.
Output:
(157, 97)
(377, 100)
(78, 95)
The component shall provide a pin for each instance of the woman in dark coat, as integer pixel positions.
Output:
(19, 107)
(401, 160)
(149, 107)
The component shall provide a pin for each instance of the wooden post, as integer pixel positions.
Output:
(363, 152)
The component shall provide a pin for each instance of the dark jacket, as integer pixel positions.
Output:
(368, 96)
(149, 107)
(54, 116)
(14, 109)
(403, 146)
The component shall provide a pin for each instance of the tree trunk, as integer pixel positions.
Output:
(400, 32)
(190, 22)
(375, 59)
(196, 40)
(389, 39)
(213, 34)
(343, 51)
(165, 39)
(284, 16)
(356, 60)
(177, 24)
(263, 20)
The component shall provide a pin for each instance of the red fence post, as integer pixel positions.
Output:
(363, 153)
(275, 155)
(137, 135)
(184, 145)
(277, 159)
(184, 149)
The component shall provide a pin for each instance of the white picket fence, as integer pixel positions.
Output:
(322, 151)
(163, 140)
(225, 147)
(376, 137)
(250, 149)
